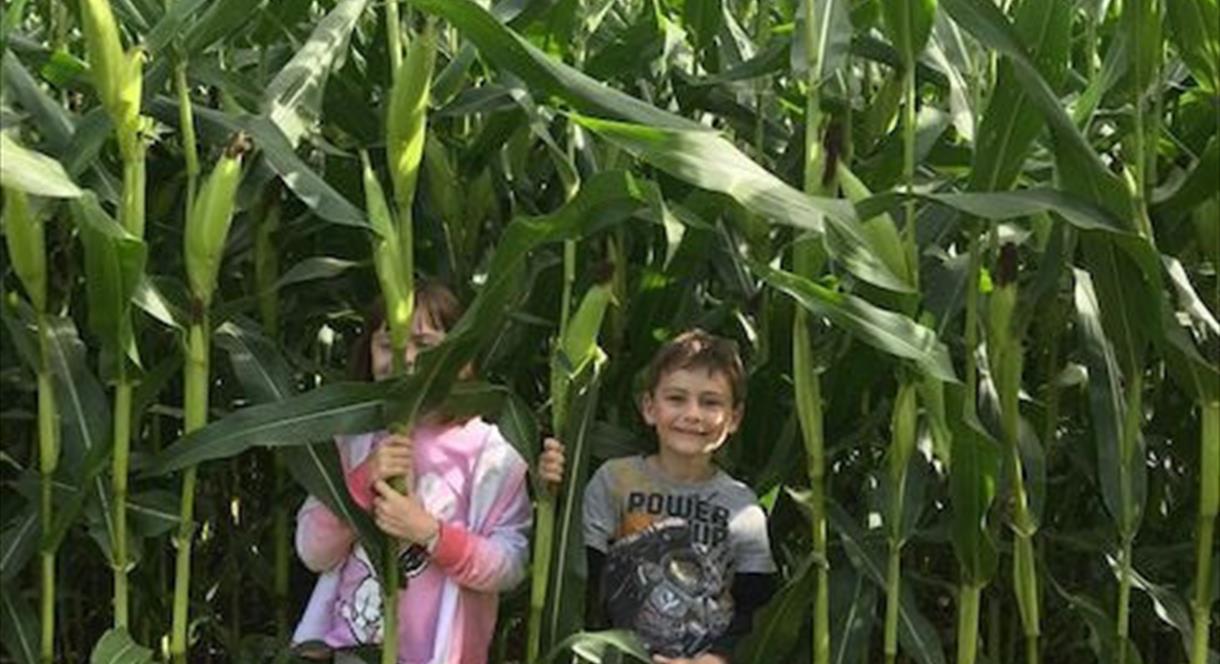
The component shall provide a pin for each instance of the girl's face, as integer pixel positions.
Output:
(425, 333)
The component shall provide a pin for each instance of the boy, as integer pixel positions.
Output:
(679, 547)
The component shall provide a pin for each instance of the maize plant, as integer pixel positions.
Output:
(207, 229)
(967, 248)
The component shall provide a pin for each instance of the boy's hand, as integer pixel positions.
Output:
(550, 462)
(391, 458)
(403, 517)
(703, 658)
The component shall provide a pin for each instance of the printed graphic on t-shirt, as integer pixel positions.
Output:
(361, 611)
(668, 574)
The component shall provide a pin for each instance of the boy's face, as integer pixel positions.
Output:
(692, 411)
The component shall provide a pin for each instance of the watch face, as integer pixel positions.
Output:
(412, 561)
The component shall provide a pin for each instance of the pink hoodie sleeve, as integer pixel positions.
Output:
(323, 539)
(495, 557)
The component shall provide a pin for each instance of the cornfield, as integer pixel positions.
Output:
(968, 248)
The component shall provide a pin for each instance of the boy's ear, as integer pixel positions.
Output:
(739, 411)
(646, 404)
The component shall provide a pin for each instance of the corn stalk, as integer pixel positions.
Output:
(118, 77)
(576, 351)
(207, 228)
(1209, 501)
(819, 179)
(266, 271)
(1006, 362)
(393, 247)
(27, 248)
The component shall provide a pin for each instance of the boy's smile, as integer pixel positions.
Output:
(692, 411)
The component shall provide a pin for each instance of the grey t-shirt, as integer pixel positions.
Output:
(671, 551)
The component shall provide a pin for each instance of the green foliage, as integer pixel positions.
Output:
(689, 145)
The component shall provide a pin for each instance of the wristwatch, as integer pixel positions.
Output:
(413, 559)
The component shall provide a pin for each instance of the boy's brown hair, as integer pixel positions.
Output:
(697, 349)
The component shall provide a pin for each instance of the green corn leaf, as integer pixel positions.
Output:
(879, 231)
(53, 122)
(885, 330)
(170, 25)
(997, 206)
(117, 647)
(1142, 22)
(265, 376)
(1103, 639)
(220, 20)
(705, 159)
(152, 513)
(1167, 605)
(1130, 312)
(973, 478)
(916, 634)
(1195, 29)
(509, 51)
(1195, 374)
(114, 266)
(831, 33)
(23, 234)
(320, 414)
(1198, 186)
(33, 172)
(1011, 122)
(908, 23)
(18, 543)
(299, 178)
(778, 624)
(566, 590)
(18, 626)
(1076, 159)
(596, 646)
(84, 424)
(853, 600)
(1119, 477)
(315, 268)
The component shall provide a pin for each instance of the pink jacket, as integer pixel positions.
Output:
(474, 482)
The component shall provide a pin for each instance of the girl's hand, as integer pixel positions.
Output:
(403, 517)
(550, 462)
(391, 458)
(704, 658)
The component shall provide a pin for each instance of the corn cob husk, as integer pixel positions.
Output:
(26, 246)
(207, 227)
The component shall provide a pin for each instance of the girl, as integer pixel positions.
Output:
(468, 519)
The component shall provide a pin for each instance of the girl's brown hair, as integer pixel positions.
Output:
(432, 299)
